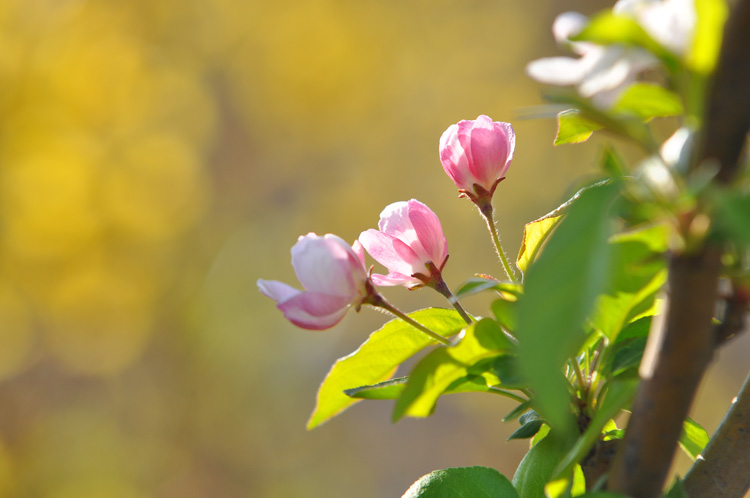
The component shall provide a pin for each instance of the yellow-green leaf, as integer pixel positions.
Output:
(377, 358)
(534, 235)
(573, 128)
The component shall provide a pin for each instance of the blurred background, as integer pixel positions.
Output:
(158, 157)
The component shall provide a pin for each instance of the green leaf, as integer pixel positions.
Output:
(537, 466)
(443, 366)
(619, 394)
(505, 313)
(530, 422)
(627, 354)
(710, 16)
(550, 321)
(462, 482)
(621, 124)
(563, 488)
(637, 272)
(693, 439)
(389, 389)
(534, 235)
(732, 213)
(377, 359)
(505, 369)
(480, 284)
(573, 128)
(648, 101)
(612, 164)
(677, 490)
(517, 411)
(392, 389)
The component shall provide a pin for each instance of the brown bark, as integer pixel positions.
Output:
(684, 346)
(722, 469)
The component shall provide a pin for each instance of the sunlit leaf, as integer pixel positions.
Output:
(563, 488)
(377, 358)
(693, 439)
(572, 128)
(537, 466)
(648, 101)
(392, 389)
(710, 16)
(550, 320)
(534, 235)
(441, 367)
(462, 482)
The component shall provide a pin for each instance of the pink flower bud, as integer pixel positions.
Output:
(477, 154)
(410, 242)
(333, 275)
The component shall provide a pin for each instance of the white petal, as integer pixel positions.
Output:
(568, 24)
(556, 70)
(326, 264)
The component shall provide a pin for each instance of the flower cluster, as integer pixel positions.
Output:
(409, 241)
(603, 71)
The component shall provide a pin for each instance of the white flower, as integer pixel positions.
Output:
(670, 22)
(601, 72)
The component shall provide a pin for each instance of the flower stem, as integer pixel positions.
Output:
(443, 289)
(380, 302)
(487, 211)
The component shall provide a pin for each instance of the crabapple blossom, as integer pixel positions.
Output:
(670, 22)
(600, 73)
(333, 275)
(410, 244)
(476, 155)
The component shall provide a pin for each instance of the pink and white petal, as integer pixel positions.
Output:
(510, 135)
(394, 220)
(489, 151)
(394, 278)
(314, 310)
(556, 70)
(390, 252)
(608, 69)
(454, 157)
(323, 264)
(278, 291)
(432, 243)
(359, 251)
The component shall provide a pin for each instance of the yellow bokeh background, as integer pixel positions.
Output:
(158, 157)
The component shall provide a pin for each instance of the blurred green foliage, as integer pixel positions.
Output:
(156, 158)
